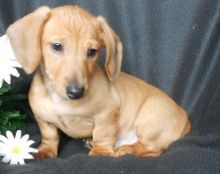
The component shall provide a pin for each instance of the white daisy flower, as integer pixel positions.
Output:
(16, 149)
(8, 61)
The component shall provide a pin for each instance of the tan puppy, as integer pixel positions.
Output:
(71, 92)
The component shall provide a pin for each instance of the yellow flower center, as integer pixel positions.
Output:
(16, 150)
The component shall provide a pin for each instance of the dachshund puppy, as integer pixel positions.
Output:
(71, 92)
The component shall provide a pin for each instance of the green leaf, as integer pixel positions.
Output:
(10, 114)
(18, 124)
(4, 89)
(3, 121)
(3, 129)
(10, 118)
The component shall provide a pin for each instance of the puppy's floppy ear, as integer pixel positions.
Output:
(113, 46)
(25, 38)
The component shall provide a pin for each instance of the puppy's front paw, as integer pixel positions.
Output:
(45, 152)
(100, 151)
(126, 149)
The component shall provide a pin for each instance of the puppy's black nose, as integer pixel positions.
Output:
(74, 91)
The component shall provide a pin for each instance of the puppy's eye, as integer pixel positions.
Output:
(57, 47)
(91, 53)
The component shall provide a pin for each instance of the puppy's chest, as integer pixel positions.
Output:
(68, 108)
(75, 120)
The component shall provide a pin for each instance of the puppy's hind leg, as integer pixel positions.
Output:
(157, 125)
(137, 149)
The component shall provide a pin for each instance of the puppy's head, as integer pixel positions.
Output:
(64, 44)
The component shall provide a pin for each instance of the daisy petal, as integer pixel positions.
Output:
(28, 156)
(2, 152)
(30, 142)
(9, 135)
(6, 159)
(14, 72)
(2, 145)
(13, 161)
(15, 63)
(1, 81)
(3, 139)
(32, 150)
(3, 39)
(7, 78)
(21, 161)
(25, 137)
(35, 150)
(18, 135)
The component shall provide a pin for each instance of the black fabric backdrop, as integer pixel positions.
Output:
(174, 45)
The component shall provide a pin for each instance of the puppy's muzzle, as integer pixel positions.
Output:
(74, 91)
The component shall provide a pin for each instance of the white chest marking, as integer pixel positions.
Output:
(129, 139)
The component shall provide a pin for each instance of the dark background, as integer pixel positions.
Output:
(172, 44)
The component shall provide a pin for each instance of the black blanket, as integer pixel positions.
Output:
(172, 44)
